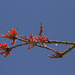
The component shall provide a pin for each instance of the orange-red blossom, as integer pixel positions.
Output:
(4, 46)
(11, 35)
(33, 39)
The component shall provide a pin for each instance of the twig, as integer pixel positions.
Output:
(53, 50)
(20, 39)
(60, 42)
(73, 46)
(18, 46)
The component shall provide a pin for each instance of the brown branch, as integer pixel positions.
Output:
(17, 46)
(65, 52)
(60, 42)
(20, 39)
(53, 50)
(49, 42)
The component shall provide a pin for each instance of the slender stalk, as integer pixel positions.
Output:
(46, 48)
(60, 42)
(20, 39)
(73, 46)
(18, 46)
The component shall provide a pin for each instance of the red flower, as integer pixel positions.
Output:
(11, 35)
(47, 38)
(6, 54)
(4, 46)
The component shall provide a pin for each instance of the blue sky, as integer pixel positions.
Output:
(58, 17)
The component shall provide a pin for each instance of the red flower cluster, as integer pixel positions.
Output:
(4, 46)
(33, 39)
(11, 35)
(42, 39)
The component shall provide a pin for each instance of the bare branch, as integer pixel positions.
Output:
(18, 45)
(60, 42)
(53, 50)
(65, 52)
